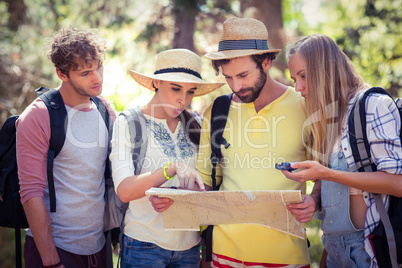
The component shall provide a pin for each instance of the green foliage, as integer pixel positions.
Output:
(7, 252)
(314, 234)
(293, 17)
(370, 33)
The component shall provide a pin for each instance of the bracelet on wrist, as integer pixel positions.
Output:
(165, 172)
(53, 266)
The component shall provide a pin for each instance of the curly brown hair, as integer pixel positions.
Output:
(70, 46)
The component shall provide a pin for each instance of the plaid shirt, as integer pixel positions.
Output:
(383, 126)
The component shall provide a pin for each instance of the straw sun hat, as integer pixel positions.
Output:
(242, 37)
(177, 65)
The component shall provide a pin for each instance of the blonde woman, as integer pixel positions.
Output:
(169, 161)
(325, 76)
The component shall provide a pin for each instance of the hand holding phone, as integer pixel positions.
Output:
(284, 166)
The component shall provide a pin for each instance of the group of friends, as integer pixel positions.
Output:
(266, 118)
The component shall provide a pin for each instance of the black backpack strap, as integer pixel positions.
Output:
(58, 122)
(357, 131)
(108, 178)
(103, 111)
(219, 115)
(398, 102)
(362, 157)
(389, 231)
(106, 118)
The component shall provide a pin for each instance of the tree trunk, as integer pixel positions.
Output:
(270, 13)
(184, 14)
(16, 9)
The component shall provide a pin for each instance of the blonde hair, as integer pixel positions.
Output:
(331, 81)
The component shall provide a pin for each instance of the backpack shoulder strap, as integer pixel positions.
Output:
(103, 111)
(362, 156)
(58, 122)
(106, 118)
(389, 231)
(138, 141)
(109, 186)
(58, 119)
(398, 102)
(138, 136)
(219, 115)
(357, 131)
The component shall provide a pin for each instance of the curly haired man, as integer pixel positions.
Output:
(73, 235)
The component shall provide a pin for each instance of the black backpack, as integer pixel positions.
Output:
(11, 211)
(219, 115)
(386, 238)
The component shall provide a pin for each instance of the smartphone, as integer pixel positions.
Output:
(284, 166)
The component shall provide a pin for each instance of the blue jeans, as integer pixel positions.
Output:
(346, 250)
(143, 254)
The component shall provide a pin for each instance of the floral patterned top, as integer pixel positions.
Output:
(142, 222)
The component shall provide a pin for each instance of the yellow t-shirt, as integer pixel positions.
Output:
(257, 142)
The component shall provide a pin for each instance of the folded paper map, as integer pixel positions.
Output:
(191, 209)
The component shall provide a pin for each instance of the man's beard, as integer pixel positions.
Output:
(255, 90)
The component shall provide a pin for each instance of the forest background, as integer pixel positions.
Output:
(368, 31)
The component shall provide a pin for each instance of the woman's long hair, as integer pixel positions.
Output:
(331, 81)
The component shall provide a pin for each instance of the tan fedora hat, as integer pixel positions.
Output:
(177, 65)
(242, 37)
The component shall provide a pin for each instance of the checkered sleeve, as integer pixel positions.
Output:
(383, 126)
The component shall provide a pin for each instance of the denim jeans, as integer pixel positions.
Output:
(143, 254)
(343, 242)
(346, 250)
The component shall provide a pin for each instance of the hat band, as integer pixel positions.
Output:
(243, 44)
(178, 70)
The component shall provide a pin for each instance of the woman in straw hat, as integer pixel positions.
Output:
(170, 159)
(327, 79)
